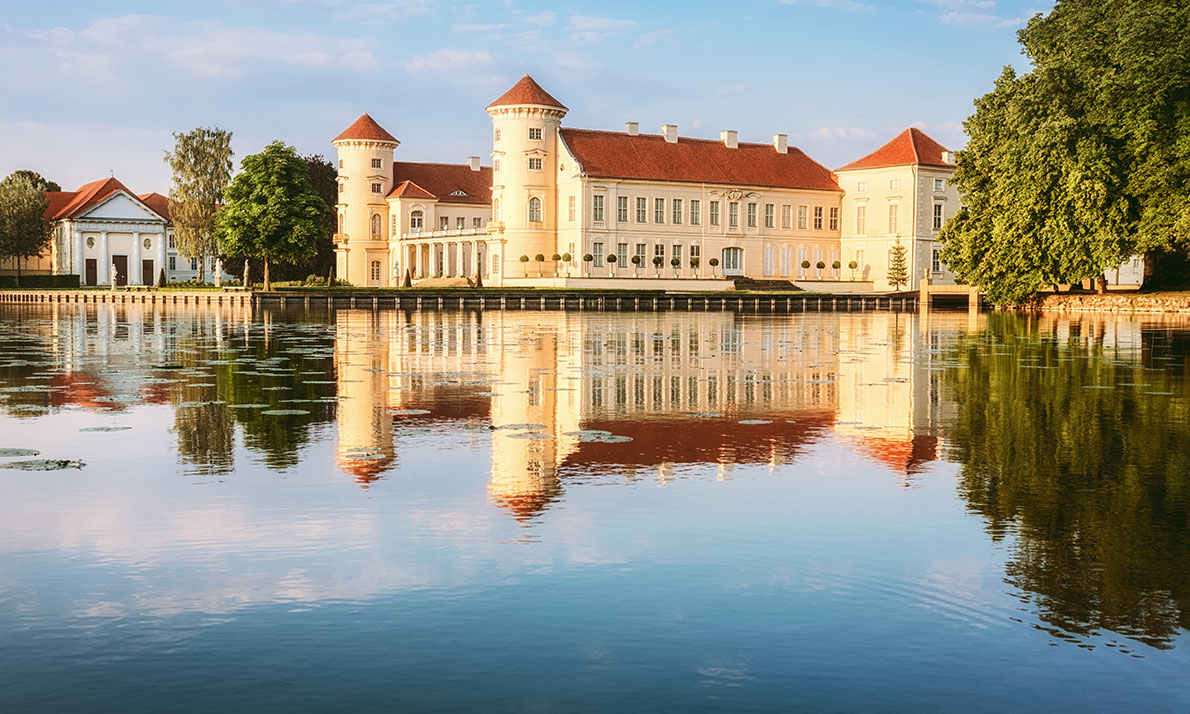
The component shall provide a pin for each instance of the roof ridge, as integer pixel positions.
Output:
(438, 163)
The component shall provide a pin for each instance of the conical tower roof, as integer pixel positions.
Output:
(365, 129)
(527, 91)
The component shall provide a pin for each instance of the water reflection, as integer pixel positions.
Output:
(1072, 436)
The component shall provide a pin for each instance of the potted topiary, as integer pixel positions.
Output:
(636, 261)
(676, 262)
(853, 265)
(820, 265)
(713, 262)
(835, 266)
(587, 258)
(525, 261)
(611, 264)
(566, 260)
(657, 261)
(540, 258)
(694, 265)
(805, 267)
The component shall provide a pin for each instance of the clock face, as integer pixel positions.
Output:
(148, 242)
(91, 241)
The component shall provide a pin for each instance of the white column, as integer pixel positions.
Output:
(79, 263)
(134, 266)
(105, 261)
(159, 263)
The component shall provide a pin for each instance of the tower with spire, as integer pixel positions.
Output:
(365, 177)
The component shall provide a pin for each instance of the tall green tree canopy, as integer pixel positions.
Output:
(24, 229)
(37, 179)
(271, 211)
(1082, 162)
(201, 164)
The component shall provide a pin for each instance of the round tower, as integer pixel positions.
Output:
(525, 123)
(365, 178)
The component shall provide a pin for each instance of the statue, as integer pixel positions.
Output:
(115, 276)
(218, 271)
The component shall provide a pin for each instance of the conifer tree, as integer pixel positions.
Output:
(898, 270)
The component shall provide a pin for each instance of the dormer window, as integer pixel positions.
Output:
(377, 164)
(458, 192)
(534, 133)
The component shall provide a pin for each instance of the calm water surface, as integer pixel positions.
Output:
(581, 512)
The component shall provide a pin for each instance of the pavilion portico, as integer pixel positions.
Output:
(448, 254)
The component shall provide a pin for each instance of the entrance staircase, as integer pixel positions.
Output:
(742, 283)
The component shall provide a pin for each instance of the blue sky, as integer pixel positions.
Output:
(99, 87)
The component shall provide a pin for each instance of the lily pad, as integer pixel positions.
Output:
(529, 435)
(284, 412)
(751, 422)
(18, 452)
(408, 412)
(521, 427)
(588, 432)
(105, 428)
(605, 439)
(43, 465)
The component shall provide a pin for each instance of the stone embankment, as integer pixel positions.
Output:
(1172, 302)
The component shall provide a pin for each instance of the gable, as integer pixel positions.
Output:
(120, 206)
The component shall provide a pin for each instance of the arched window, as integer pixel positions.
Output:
(416, 219)
(341, 221)
(375, 225)
(535, 210)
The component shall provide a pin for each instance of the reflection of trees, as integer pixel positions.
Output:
(1095, 483)
(206, 436)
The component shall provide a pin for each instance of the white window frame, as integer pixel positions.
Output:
(571, 208)
(733, 214)
(803, 218)
(833, 218)
(714, 213)
(622, 209)
(695, 212)
(752, 210)
(535, 133)
(659, 210)
(597, 208)
(861, 219)
(939, 216)
(676, 206)
(535, 210)
(642, 209)
(818, 218)
(535, 163)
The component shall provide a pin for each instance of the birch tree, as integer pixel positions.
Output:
(201, 165)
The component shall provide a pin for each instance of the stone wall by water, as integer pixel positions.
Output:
(1178, 302)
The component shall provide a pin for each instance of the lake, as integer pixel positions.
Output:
(261, 510)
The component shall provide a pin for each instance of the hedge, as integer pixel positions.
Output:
(40, 281)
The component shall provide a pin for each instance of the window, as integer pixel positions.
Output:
(768, 260)
(786, 259)
(461, 222)
(769, 216)
(375, 225)
(786, 216)
(733, 214)
(376, 270)
(597, 253)
(194, 263)
(173, 263)
(535, 210)
(802, 213)
(936, 261)
(342, 220)
(818, 218)
(861, 219)
(392, 228)
(597, 208)
(171, 238)
(659, 251)
(714, 213)
(751, 215)
(622, 253)
(377, 164)
(416, 221)
(677, 252)
(377, 187)
(892, 218)
(937, 216)
(622, 209)
(862, 186)
(640, 252)
(695, 212)
(535, 163)
(341, 188)
(444, 223)
(570, 208)
(938, 184)
(642, 210)
(340, 163)
(834, 224)
(477, 223)
(534, 133)
(497, 135)
(695, 252)
(659, 210)
(859, 258)
(677, 211)
(496, 209)
(894, 183)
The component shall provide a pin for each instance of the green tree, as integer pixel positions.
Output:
(36, 178)
(201, 165)
(898, 270)
(271, 211)
(24, 229)
(1081, 162)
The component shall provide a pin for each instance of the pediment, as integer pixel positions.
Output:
(121, 206)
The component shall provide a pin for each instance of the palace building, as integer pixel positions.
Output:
(580, 207)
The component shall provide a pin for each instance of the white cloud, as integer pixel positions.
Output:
(546, 18)
(652, 38)
(847, 5)
(590, 29)
(834, 132)
(451, 61)
(973, 14)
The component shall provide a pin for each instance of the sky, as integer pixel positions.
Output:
(91, 90)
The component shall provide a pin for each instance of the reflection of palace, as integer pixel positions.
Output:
(686, 388)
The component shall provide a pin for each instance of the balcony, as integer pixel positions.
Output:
(453, 233)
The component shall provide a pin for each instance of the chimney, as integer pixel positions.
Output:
(473, 162)
(670, 132)
(633, 128)
(731, 138)
(948, 157)
(781, 143)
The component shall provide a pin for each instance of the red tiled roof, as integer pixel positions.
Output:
(649, 157)
(408, 189)
(159, 203)
(69, 204)
(365, 129)
(910, 148)
(526, 91)
(906, 456)
(441, 180)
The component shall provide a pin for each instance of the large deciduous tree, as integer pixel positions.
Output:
(271, 212)
(37, 179)
(24, 229)
(201, 164)
(1083, 161)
